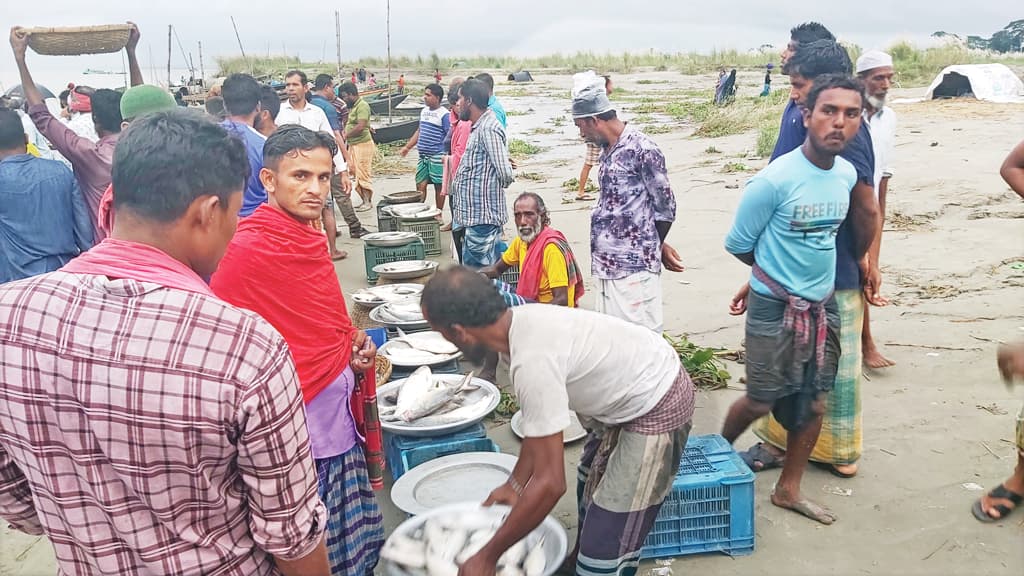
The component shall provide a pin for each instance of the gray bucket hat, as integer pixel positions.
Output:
(590, 101)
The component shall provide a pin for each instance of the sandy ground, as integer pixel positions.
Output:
(937, 423)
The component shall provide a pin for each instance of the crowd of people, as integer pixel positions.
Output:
(185, 392)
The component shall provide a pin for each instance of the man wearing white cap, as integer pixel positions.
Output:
(874, 69)
(634, 213)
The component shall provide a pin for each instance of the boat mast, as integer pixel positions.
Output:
(337, 36)
(202, 69)
(388, 89)
(170, 30)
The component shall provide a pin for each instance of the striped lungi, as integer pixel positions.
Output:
(841, 439)
(355, 531)
(363, 155)
(625, 474)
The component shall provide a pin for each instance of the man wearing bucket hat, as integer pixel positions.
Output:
(634, 213)
(875, 71)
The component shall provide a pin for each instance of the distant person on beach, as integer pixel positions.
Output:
(633, 215)
(373, 81)
(437, 75)
(492, 101)
(401, 84)
(727, 89)
(341, 185)
(361, 147)
(767, 80)
(875, 71)
(592, 156)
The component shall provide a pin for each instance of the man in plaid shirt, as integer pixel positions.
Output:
(147, 427)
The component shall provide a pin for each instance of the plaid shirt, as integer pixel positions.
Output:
(478, 189)
(148, 430)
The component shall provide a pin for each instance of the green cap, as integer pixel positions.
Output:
(144, 99)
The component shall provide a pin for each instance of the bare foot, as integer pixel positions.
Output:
(874, 359)
(339, 255)
(845, 470)
(805, 507)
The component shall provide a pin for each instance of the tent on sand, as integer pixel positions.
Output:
(990, 82)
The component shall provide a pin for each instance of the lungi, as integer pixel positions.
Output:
(635, 298)
(841, 439)
(355, 530)
(624, 476)
(362, 155)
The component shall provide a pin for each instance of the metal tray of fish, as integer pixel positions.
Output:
(406, 269)
(408, 542)
(419, 349)
(574, 432)
(476, 405)
(402, 314)
(377, 295)
(389, 238)
(429, 485)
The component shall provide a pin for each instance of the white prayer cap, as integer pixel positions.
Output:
(873, 59)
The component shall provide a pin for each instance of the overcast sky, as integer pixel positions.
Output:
(466, 27)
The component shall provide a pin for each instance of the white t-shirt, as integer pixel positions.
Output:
(312, 117)
(597, 365)
(883, 140)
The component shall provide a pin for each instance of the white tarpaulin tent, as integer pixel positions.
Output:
(991, 82)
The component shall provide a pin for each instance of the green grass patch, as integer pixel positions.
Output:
(558, 121)
(515, 92)
(521, 148)
(767, 135)
(647, 81)
(389, 162)
(573, 185)
(742, 115)
(733, 167)
(542, 130)
(651, 129)
(531, 176)
(643, 119)
(712, 150)
(515, 113)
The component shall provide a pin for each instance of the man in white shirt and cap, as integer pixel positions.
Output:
(875, 71)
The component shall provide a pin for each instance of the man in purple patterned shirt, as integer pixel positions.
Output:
(633, 215)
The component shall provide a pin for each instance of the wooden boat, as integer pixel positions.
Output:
(379, 105)
(398, 129)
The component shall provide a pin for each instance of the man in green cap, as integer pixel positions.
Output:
(136, 102)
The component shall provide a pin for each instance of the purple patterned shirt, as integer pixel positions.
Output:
(635, 193)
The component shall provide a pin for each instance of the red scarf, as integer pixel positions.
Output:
(280, 269)
(117, 259)
(532, 267)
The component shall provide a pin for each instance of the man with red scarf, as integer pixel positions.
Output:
(278, 266)
(548, 272)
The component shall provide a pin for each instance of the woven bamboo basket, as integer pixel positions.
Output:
(383, 370)
(75, 40)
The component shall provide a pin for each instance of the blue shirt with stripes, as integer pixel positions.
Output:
(434, 126)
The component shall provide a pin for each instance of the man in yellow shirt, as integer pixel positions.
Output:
(548, 272)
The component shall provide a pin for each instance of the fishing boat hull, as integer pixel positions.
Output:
(379, 106)
(396, 131)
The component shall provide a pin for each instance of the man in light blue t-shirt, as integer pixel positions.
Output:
(786, 228)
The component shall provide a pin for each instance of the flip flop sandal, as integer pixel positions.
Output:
(1001, 493)
(758, 454)
(831, 469)
(585, 198)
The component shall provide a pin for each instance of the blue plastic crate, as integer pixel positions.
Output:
(453, 367)
(410, 442)
(401, 461)
(711, 506)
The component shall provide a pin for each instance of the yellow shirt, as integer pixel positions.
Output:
(554, 273)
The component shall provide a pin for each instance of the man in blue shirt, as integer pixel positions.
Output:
(241, 95)
(44, 221)
(786, 228)
(435, 123)
(791, 131)
(843, 422)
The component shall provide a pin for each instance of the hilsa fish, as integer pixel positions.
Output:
(422, 394)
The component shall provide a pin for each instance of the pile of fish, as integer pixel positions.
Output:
(387, 293)
(424, 395)
(419, 349)
(444, 543)
(404, 312)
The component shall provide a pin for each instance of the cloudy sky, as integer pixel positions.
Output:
(467, 27)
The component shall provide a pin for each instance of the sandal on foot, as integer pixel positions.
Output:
(585, 198)
(758, 458)
(1000, 492)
